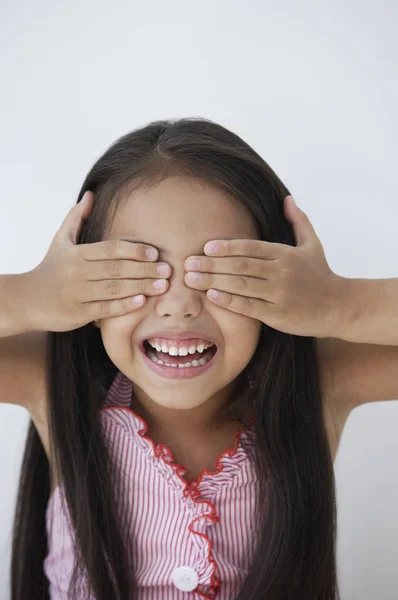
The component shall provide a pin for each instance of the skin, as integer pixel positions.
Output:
(178, 216)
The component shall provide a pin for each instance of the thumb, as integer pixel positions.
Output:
(302, 227)
(74, 220)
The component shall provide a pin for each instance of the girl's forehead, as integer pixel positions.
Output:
(173, 213)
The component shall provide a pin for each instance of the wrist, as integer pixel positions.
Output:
(14, 305)
(29, 304)
(344, 301)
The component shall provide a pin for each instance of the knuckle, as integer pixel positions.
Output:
(145, 269)
(250, 302)
(228, 299)
(106, 309)
(227, 246)
(254, 248)
(113, 268)
(210, 263)
(240, 264)
(123, 304)
(240, 283)
(247, 304)
(113, 287)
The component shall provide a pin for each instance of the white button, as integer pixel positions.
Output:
(185, 579)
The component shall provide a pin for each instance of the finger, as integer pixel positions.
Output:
(244, 247)
(244, 305)
(114, 249)
(74, 220)
(124, 269)
(112, 289)
(235, 265)
(114, 308)
(234, 284)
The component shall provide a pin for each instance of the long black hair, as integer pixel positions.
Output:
(295, 545)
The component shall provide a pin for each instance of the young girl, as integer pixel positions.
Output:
(178, 447)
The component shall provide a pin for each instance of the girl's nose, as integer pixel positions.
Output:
(179, 299)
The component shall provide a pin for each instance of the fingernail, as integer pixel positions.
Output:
(151, 253)
(193, 277)
(163, 270)
(193, 264)
(211, 247)
(159, 284)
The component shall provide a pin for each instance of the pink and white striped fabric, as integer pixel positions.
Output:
(186, 541)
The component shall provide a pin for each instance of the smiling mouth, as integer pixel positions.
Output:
(197, 359)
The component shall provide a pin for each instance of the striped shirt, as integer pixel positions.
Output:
(186, 540)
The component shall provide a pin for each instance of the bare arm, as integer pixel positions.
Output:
(22, 369)
(368, 311)
(22, 351)
(13, 316)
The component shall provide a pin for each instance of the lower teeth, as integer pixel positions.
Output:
(194, 363)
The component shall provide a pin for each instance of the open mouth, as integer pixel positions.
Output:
(194, 359)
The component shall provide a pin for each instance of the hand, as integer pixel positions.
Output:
(75, 284)
(289, 288)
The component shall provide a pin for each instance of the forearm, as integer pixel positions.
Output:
(13, 306)
(367, 311)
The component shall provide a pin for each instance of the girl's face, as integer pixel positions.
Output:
(179, 216)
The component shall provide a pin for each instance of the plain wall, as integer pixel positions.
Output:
(312, 86)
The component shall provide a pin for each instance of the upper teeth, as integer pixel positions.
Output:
(181, 350)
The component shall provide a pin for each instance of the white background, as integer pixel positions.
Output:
(312, 86)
